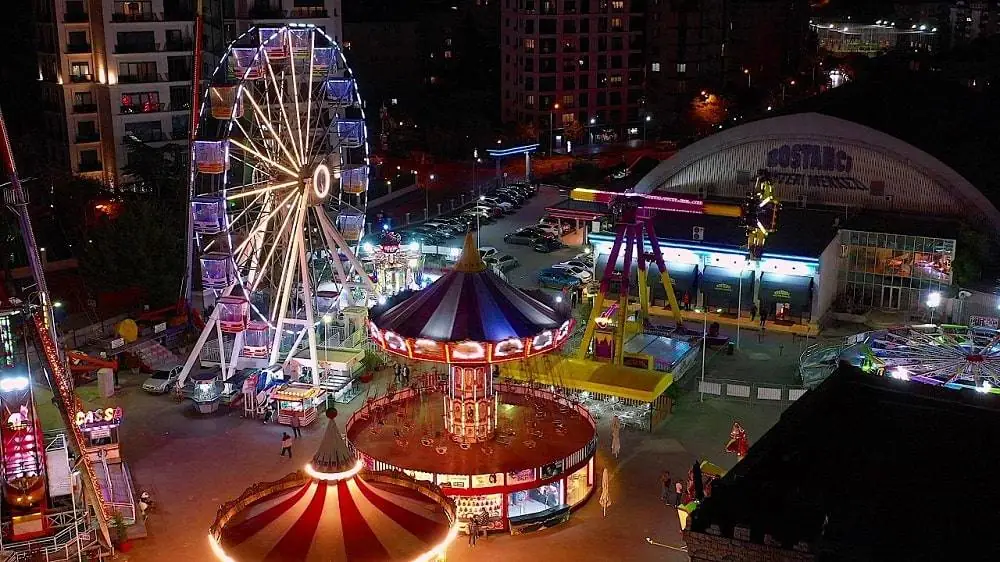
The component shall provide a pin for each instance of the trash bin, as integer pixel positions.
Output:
(731, 348)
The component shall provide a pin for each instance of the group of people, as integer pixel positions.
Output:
(477, 522)
(763, 314)
(679, 492)
(402, 374)
(286, 439)
(671, 493)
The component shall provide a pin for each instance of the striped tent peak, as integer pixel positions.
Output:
(333, 455)
(470, 261)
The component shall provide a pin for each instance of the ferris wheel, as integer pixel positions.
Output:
(965, 358)
(279, 169)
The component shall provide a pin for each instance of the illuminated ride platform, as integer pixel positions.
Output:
(512, 456)
(331, 511)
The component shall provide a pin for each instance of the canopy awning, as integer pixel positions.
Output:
(591, 376)
(796, 290)
(721, 286)
(683, 275)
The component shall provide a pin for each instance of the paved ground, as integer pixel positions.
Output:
(192, 464)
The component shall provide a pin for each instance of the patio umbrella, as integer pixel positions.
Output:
(605, 492)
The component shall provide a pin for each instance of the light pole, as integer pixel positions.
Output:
(933, 301)
(479, 235)
(427, 197)
(593, 122)
(645, 122)
(704, 345)
(747, 72)
(552, 127)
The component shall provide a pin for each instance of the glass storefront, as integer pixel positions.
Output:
(526, 502)
(890, 271)
(576, 486)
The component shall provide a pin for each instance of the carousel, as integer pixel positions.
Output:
(393, 266)
(331, 512)
(513, 456)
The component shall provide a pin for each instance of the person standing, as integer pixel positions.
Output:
(296, 426)
(678, 494)
(666, 487)
(763, 317)
(286, 444)
(753, 312)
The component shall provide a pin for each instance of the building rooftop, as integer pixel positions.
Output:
(869, 468)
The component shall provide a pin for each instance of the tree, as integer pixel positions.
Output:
(161, 172)
(573, 131)
(973, 251)
(143, 247)
(527, 132)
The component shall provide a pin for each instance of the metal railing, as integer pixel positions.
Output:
(90, 167)
(76, 17)
(129, 48)
(88, 137)
(77, 48)
(81, 78)
(85, 108)
(751, 392)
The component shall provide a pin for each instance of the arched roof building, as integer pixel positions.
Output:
(816, 159)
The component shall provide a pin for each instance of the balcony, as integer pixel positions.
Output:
(183, 45)
(178, 15)
(88, 137)
(137, 48)
(144, 136)
(121, 17)
(140, 78)
(76, 48)
(179, 134)
(179, 75)
(76, 17)
(85, 108)
(307, 12)
(150, 107)
(84, 167)
(81, 78)
(266, 13)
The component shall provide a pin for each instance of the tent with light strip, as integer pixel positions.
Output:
(335, 516)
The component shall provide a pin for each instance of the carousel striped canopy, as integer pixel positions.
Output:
(346, 521)
(469, 303)
(336, 516)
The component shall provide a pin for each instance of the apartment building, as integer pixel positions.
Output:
(116, 72)
(566, 61)
(970, 20)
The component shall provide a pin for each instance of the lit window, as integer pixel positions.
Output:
(529, 101)
(568, 118)
(656, 67)
(682, 67)
(529, 45)
(617, 79)
(616, 24)
(447, 54)
(568, 100)
(395, 101)
(347, 45)
(618, 5)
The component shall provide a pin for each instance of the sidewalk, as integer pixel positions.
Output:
(806, 330)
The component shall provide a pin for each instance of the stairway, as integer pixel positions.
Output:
(154, 356)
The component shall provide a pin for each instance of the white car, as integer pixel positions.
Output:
(585, 257)
(549, 229)
(578, 272)
(487, 252)
(564, 226)
(505, 205)
(502, 262)
(162, 380)
(578, 263)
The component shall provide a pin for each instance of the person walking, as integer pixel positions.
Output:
(473, 530)
(763, 317)
(286, 444)
(666, 487)
(296, 427)
(753, 312)
(678, 495)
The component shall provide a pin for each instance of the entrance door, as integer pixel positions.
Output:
(890, 298)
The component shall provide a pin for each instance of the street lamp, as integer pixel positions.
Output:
(593, 121)
(747, 72)
(479, 235)
(645, 122)
(552, 120)
(933, 301)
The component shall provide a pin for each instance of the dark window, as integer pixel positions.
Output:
(602, 44)
(529, 26)
(529, 83)
(616, 61)
(583, 99)
(584, 44)
(547, 64)
(585, 25)
(569, 83)
(547, 84)
(602, 62)
(529, 64)
(584, 81)
(602, 98)
(569, 26)
(547, 26)
(615, 98)
(617, 44)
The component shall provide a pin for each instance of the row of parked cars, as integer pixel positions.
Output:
(571, 273)
(542, 237)
(488, 208)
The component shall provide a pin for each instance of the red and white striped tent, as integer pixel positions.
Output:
(338, 517)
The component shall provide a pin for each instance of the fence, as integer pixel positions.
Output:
(752, 393)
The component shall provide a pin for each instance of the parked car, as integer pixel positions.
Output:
(546, 245)
(495, 212)
(443, 226)
(530, 188)
(484, 216)
(487, 252)
(549, 229)
(507, 207)
(578, 272)
(508, 197)
(579, 263)
(563, 226)
(585, 257)
(162, 380)
(503, 262)
(556, 279)
(521, 192)
(524, 236)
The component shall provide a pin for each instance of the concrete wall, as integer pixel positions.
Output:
(711, 548)
(829, 264)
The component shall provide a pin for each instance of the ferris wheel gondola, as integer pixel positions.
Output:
(279, 173)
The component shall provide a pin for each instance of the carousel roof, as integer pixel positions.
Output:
(469, 303)
(336, 516)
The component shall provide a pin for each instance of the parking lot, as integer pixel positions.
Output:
(530, 261)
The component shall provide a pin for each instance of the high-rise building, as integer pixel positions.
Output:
(120, 71)
(970, 20)
(572, 61)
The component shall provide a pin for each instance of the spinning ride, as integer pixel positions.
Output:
(510, 454)
(279, 175)
(955, 357)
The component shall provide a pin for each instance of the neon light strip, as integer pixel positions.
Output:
(334, 476)
(668, 243)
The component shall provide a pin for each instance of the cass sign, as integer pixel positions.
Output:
(813, 165)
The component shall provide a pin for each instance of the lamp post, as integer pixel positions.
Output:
(933, 301)
(479, 234)
(552, 127)
(645, 123)
(747, 72)
(593, 122)
(704, 346)
(427, 197)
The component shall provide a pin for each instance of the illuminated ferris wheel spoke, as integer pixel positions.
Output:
(264, 158)
(265, 125)
(280, 102)
(312, 55)
(261, 190)
(263, 224)
(298, 113)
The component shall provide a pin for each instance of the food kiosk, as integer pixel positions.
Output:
(297, 400)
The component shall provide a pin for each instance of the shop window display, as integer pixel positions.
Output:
(537, 499)
(492, 504)
(576, 486)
